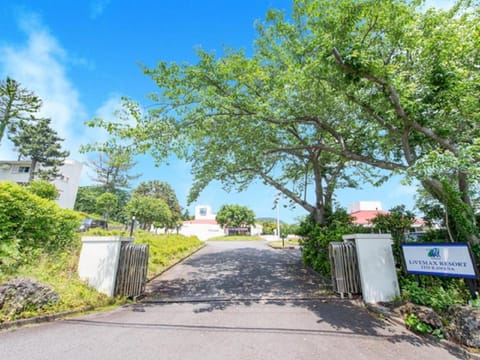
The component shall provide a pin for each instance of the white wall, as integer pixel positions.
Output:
(376, 265)
(202, 231)
(67, 184)
(98, 261)
(365, 206)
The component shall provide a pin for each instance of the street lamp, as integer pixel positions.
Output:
(278, 215)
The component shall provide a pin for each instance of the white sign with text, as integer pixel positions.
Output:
(452, 260)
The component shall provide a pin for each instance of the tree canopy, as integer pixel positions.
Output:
(39, 143)
(162, 190)
(17, 104)
(336, 94)
(235, 216)
(149, 211)
(113, 166)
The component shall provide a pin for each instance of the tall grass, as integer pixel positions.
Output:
(59, 271)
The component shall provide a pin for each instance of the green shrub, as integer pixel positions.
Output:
(31, 225)
(316, 238)
(44, 189)
(413, 323)
(436, 293)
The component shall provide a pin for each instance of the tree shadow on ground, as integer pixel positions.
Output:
(246, 273)
(245, 276)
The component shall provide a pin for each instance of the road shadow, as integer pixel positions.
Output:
(243, 273)
(246, 276)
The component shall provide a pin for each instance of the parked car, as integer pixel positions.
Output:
(414, 236)
(93, 223)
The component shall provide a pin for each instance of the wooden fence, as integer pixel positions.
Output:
(132, 270)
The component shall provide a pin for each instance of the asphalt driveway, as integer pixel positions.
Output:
(228, 301)
(239, 270)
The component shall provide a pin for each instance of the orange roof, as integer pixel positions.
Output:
(364, 217)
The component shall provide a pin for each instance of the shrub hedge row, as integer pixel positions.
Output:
(31, 225)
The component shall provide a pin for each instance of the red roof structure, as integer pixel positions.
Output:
(365, 217)
(201, 222)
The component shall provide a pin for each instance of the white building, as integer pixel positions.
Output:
(204, 226)
(67, 182)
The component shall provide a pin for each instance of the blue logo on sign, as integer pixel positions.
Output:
(434, 253)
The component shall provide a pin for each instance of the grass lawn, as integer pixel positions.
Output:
(236, 238)
(59, 271)
(279, 244)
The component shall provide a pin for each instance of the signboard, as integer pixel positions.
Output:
(452, 259)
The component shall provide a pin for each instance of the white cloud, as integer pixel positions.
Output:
(39, 65)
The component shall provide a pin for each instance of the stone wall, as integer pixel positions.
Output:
(22, 294)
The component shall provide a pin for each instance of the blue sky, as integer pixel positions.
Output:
(81, 56)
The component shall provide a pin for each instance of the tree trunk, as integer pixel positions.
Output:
(33, 165)
(459, 213)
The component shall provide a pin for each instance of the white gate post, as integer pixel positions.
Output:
(376, 265)
(99, 261)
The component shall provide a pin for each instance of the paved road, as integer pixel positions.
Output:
(252, 303)
(239, 270)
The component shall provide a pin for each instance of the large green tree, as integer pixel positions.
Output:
(149, 211)
(17, 104)
(235, 216)
(86, 201)
(162, 190)
(39, 142)
(106, 204)
(386, 85)
(412, 78)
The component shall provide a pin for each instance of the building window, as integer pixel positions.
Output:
(21, 169)
(64, 178)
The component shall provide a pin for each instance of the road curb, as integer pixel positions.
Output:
(41, 319)
(52, 317)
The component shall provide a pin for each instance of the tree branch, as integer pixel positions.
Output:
(395, 100)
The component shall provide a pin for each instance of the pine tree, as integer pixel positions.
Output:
(16, 105)
(112, 167)
(41, 144)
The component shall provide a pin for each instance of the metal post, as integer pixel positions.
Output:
(131, 226)
(278, 216)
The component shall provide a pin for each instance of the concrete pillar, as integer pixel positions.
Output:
(376, 265)
(98, 262)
